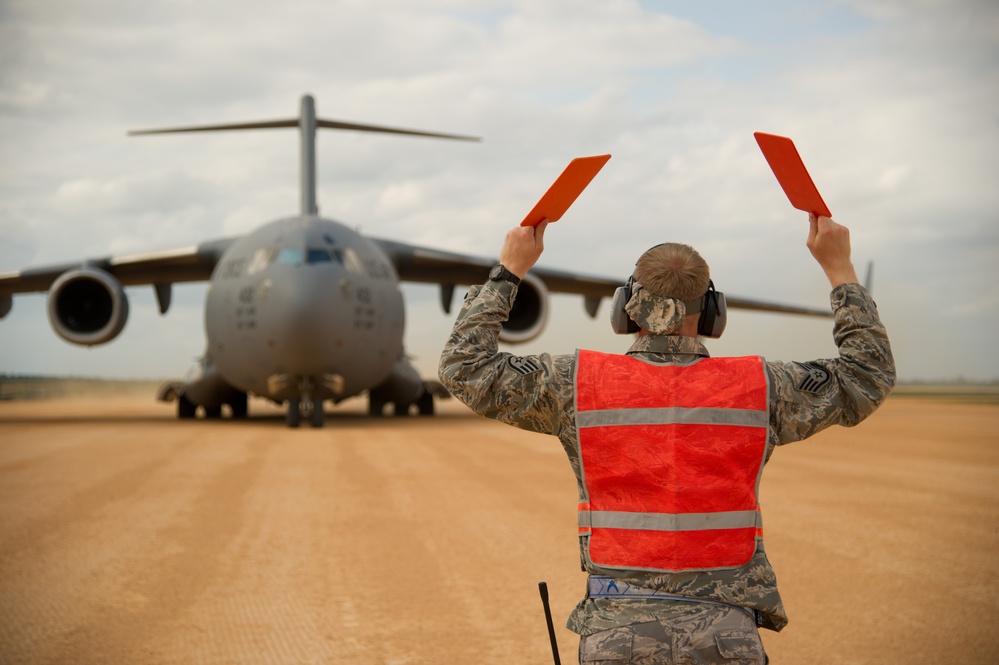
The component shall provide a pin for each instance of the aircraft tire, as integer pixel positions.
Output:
(401, 408)
(318, 417)
(213, 412)
(185, 408)
(375, 407)
(294, 415)
(426, 403)
(239, 406)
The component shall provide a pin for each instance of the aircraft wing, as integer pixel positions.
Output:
(434, 266)
(194, 263)
(422, 264)
(183, 264)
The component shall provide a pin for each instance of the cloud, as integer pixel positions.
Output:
(891, 104)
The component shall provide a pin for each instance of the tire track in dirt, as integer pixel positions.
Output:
(127, 563)
(411, 541)
(186, 568)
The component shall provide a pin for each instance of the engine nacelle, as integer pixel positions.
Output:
(402, 386)
(529, 314)
(87, 306)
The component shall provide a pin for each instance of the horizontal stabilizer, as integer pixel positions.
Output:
(337, 124)
(269, 124)
(294, 122)
(306, 123)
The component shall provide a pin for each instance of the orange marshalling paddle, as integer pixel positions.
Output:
(574, 179)
(786, 163)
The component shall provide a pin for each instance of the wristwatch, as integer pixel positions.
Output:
(499, 272)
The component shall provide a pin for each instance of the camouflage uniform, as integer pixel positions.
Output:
(536, 393)
(702, 634)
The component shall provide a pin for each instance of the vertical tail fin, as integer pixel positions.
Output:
(307, 122)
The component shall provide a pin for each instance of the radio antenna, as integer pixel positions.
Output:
(543, 588)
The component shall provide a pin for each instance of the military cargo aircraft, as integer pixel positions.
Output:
(303, 309)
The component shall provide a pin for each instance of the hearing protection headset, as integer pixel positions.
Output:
(711, 305)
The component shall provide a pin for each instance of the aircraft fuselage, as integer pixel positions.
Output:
(304, 308)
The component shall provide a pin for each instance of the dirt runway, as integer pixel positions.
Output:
(129, 537)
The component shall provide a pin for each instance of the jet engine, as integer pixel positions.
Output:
(529, 314)
(87, 306)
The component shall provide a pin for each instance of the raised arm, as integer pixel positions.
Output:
(829, 243)
(522, 248)
(807, 397)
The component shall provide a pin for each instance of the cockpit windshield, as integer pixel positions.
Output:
(296, 256)
(291, 256)
(316, 255)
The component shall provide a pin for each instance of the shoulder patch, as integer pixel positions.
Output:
(814, 378)
(523, 365)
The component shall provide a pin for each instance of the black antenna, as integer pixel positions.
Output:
(543, 588)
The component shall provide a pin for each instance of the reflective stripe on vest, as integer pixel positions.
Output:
(671, 457)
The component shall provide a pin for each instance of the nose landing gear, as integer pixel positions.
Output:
(311, 409)
(306, 405)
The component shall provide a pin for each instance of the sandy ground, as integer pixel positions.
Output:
(129, 537)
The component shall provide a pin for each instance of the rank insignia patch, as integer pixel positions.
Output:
(814, 380)
(522, 365)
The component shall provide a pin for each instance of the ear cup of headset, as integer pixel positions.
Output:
(714, 315)
(620, 322)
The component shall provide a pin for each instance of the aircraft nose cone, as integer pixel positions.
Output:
(305, 317)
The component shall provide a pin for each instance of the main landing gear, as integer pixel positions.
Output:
(238, 407)
(424, 405)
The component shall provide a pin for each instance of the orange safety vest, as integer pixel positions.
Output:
(671, 457)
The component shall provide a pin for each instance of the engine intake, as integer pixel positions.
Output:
(87, 306)
(529, 314)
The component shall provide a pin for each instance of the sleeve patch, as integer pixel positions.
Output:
(814, 379)
(523, 365)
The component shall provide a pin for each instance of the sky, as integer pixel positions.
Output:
(892, 104)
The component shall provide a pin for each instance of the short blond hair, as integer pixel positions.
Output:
(673, 270)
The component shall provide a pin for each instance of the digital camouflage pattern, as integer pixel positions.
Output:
(657, 314)
(700, 635)
(536, 393)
